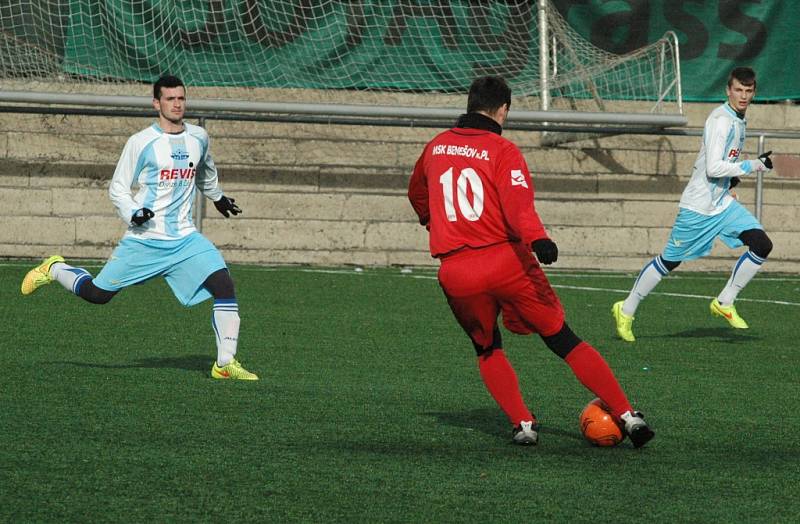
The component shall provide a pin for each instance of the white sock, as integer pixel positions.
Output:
(70, 277)
(745, 269)
(225, 321)
(648, 278)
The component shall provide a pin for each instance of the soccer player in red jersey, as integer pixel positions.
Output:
(472, 190)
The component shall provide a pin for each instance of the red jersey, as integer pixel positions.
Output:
(472, 188)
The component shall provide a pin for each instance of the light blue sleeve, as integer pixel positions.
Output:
(720, 135)
(207, 180)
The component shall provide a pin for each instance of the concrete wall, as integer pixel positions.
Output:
(329, 195)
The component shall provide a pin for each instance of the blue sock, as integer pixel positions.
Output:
(72, 278)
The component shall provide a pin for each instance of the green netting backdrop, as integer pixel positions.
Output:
(437, 45)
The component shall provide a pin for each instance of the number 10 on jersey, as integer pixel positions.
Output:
(467, 178)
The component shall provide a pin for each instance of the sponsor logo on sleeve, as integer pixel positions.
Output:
(518, 178)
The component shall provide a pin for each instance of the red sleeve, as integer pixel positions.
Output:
(515, 189)
(418, 190)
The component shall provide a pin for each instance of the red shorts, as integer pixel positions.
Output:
(479, 283)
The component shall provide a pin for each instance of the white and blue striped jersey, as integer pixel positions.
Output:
(166, 168)
(718, 160)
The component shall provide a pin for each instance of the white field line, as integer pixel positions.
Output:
(683, 295)
(425, 273)
(431, 275)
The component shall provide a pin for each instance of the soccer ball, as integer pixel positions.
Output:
(598, 426)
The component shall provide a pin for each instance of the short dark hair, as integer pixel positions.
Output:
(166, 81)
(488, 93)
(745, 75)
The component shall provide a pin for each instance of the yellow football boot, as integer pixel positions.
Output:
(624, 323)
(232, 371)
(729, 313)
(39, 276)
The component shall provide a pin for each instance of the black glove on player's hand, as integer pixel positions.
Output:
(141, 216)
(546, 250)
(764, 157)
(227, 207)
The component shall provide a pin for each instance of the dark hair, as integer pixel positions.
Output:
(745, 75)
(487, 94)
(166, 81)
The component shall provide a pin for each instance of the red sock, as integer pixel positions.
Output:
(501, 381)
(593, 372)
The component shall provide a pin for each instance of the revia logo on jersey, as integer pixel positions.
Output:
(179, 154)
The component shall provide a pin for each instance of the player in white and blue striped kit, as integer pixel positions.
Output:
(168, 162)
(708, 210)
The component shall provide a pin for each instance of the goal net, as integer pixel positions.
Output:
(433, 46)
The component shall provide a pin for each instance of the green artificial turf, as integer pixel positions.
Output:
(370, 407)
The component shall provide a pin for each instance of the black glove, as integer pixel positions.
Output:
(226, 205)
(734, 182)
(546, 250)
(764, 157)
(141, 216)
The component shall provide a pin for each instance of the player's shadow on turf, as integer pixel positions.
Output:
(723, 334)
(187, 362)
(491, 422)
(485, 420)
